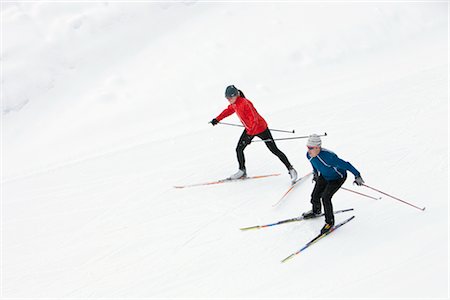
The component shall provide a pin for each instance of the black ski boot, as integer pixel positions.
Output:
(311, 214)
(326, 228)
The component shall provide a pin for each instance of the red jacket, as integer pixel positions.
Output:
(254, 124)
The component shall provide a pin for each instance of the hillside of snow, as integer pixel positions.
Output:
(105, 108)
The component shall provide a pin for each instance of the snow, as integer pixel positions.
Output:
(105, 107)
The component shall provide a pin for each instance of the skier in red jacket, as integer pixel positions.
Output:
(254, 125)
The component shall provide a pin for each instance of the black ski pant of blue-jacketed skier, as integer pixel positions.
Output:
(322, 193)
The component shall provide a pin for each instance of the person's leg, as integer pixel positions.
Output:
(266, 135)
(316, 194)
(244, 140)
(330, 189)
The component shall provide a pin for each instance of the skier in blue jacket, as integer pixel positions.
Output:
(330, 173)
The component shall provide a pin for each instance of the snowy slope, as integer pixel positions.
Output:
(105, 108)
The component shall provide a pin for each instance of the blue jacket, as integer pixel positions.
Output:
(330, 166)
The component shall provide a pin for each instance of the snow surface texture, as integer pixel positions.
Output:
(105, 107)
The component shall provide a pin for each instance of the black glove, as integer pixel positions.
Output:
(214, 122)
(358, 181)
(315, 177)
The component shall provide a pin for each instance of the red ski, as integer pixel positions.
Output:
(291, 188)
(224, 181)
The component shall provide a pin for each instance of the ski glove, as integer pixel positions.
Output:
(214, 122)
(315, 177)
(358, 180)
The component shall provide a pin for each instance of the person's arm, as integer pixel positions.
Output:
(342, 164)
(315, 173)
(227, 112)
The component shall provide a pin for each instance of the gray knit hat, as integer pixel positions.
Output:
(231, 91)
(314, 141)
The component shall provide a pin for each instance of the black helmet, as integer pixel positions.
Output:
(231, 91)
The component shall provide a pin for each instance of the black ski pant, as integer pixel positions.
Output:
(246, 139)
(324, 190)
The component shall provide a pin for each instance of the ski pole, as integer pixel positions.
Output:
(292, 131)
(422, 209)
(371, 197)
(291, 138)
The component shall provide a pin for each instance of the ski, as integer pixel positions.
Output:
(317, 238)
(296, 219)
(291, 188)
(224, 181)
